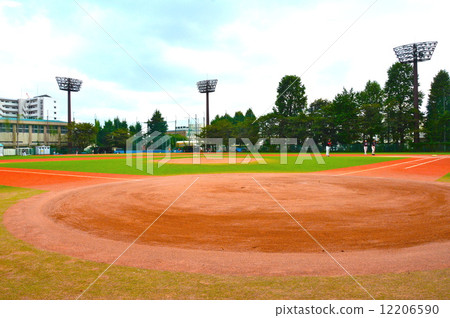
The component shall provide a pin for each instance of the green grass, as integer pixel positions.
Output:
(119, 166)
(186, 155)
(445, 178)
(30, 273)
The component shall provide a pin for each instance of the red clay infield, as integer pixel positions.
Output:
(243, 224)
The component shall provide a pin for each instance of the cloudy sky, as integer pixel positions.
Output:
(138, 56)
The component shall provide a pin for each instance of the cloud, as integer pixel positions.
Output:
(248, 46)
(9, 4)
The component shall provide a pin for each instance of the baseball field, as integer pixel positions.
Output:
(355, 227)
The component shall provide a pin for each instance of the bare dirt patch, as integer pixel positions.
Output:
(227, 224)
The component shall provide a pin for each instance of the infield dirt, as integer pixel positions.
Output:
(228, 224)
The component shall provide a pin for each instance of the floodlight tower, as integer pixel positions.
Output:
(207, 86)
(413, 53)
(70, 85)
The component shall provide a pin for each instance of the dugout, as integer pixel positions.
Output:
(1, 150)
(185, 145)
(24, 151)
(42, 150)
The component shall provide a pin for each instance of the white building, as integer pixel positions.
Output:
(189, 128)
(38, 107)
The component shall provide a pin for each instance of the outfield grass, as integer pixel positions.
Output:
(186, 155)
(30, 273)
(118, 166)
(445, 178)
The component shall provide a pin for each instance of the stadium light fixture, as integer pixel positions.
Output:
(207, 86)
(413, 53)
(70, 85)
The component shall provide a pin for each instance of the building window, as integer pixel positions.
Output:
(23, 128)
(63, 130)
(38, 129)
(53, 130)
(6, 128)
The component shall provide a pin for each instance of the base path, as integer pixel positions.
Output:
(227, 224)
(57, 180)
(420, 168)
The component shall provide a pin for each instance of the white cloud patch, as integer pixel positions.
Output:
(249, 53)
(9, 4)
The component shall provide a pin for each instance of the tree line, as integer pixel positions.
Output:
(384, 113)
(113, 133)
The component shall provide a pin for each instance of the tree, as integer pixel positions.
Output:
(102, 140)
(317, 105)
(239, 126)
(399, 106)
(249, 114)
(344, 113)
(226, 117)
(370, 102)
(291, 99)
(81, 135)
(238, 117)
(120, 124)
(118, 138)
(437, 124)
(247, 128)
(157, 124)
(134, 129)
(269, 125)
(298, 127)
(220, 128)
(320, 121)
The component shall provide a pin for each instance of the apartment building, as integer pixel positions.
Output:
(38, 107)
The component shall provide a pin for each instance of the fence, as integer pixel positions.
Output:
(381, 147)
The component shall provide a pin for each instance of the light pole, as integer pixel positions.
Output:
(207, 86)
(413, 53)
(70, 85)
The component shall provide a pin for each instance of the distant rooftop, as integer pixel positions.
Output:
(35, 120)
(45, 95)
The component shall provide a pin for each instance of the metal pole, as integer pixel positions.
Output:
(69, 108)
(207, 108)
(69, 114)
(416, 97)
(196, 127)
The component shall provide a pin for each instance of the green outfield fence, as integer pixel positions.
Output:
(381, 147)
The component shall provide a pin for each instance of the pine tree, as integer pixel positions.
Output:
(157, 123)
(437, 124)
(291, 98)
(399, 107)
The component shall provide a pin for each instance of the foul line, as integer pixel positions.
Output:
(132, 243)
(313, 238)
(424, 163)
(68, 175)
(383, 167)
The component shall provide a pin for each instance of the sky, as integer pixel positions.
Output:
(138, 56)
